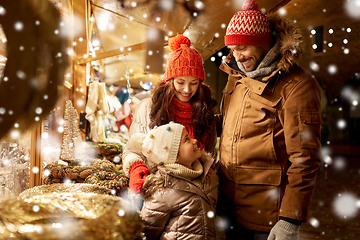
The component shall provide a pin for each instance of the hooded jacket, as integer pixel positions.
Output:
(176, 208)
(270, 140)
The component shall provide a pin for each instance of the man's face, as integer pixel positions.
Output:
(249, 56)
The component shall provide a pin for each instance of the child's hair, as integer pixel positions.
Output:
(202, 105)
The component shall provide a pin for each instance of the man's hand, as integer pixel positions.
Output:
(138, 173)
(284, 230)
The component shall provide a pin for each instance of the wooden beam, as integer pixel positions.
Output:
(91, 26)
(114, 80)
(116, 52)
(93, 73)
(101, 50)
(112, 53)
(118, 14)
(81, 9)
(279, 5)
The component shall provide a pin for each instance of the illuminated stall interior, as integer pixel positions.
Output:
(115, 50)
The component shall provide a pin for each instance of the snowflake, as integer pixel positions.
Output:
(345, 205)
(210, 214)
(121, 213)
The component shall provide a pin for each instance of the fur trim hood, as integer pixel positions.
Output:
(158, 177)
(291, 43)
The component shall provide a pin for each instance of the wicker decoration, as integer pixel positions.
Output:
(96, 171)
(75, 188)
(69, 215)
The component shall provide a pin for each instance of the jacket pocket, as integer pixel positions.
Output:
(309, 129)
(258, 116)
(266, 99)
(258, 175)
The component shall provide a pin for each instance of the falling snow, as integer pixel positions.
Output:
(121, 213)
(60, 129)
(345, 205)
(36, 208)
(332, 69)
(339, 163)
(14, 134)
(19, 26)
(314, 66)
(46, 172)
(2, 11)
(210, 214)
(35, 170)
(353, 8)
(341, 124)
(38, 110)
(314, 222)
(21, 74)
(116, 159)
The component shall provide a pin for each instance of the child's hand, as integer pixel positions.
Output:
(138, 173)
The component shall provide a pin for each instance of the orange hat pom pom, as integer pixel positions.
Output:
(175, 42)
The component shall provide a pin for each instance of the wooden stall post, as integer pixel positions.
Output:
(36, 159)
(81, 10)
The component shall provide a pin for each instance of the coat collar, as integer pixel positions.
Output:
(164, 178)
(256, 86)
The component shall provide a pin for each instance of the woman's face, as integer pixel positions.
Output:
(188, 150)
(186, 87)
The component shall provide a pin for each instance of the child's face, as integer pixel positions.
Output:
(188, 150)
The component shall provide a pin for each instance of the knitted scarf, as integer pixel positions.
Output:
(184, 115)
(187, 173)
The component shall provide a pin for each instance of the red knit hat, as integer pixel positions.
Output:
(248, 27)
(183, 60)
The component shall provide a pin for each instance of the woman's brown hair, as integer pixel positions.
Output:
(202, 105)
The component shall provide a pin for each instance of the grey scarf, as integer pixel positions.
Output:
(267, 65)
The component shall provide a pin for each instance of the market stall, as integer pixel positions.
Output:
(61, 177)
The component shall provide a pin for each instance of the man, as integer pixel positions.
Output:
(270, 140)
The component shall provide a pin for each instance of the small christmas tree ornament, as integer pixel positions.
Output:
(71, 134)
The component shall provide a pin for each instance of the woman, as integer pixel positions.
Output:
(181, 97)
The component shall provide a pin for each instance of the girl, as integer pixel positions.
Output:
(180, 197)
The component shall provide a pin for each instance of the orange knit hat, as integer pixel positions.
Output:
(183, 60)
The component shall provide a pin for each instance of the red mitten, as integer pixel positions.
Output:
(138, 173)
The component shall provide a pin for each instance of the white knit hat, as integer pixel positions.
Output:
(161, 144)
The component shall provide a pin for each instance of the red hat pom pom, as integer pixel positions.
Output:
(249, 5)
(175, 42)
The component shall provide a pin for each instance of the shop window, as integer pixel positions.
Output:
(319, 39)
